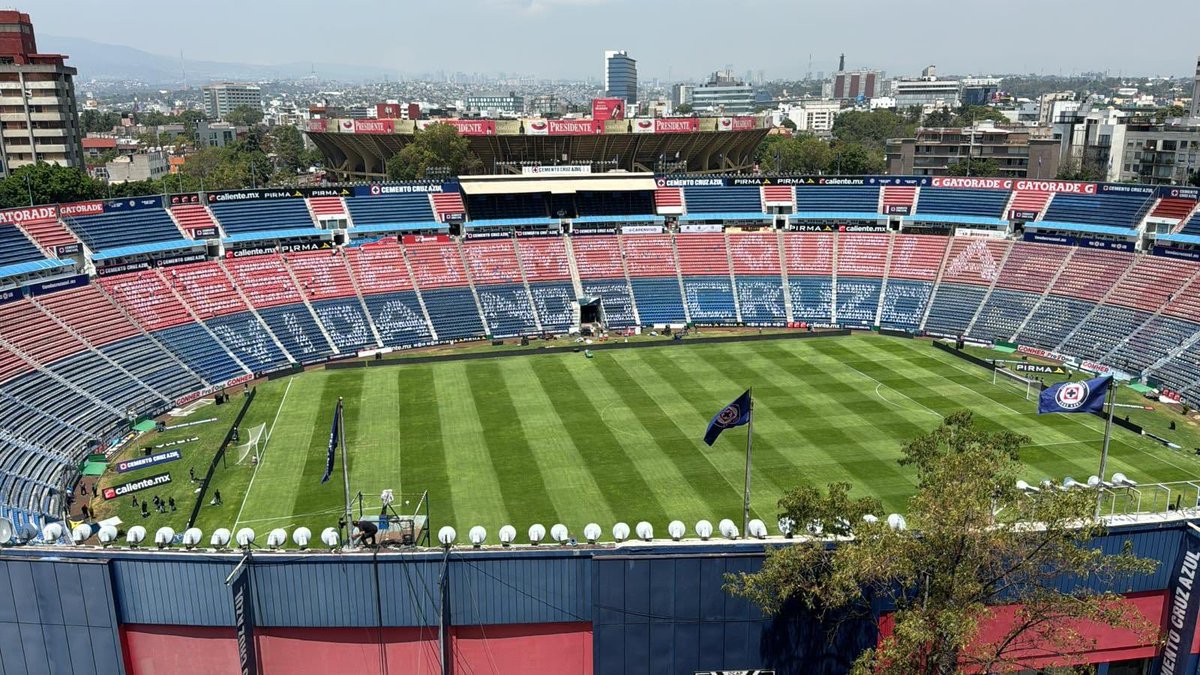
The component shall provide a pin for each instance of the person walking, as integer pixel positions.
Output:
(171, 501)
(216, 500)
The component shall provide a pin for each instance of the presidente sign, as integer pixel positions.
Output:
(115, 491)
(152, 460)
(563, 127)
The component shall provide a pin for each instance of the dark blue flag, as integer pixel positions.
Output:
(333, 443)
(733, 415)
(1075, 397)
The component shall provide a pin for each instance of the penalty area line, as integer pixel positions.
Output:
(262, 453)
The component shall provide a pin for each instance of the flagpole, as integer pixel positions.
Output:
(1112, 400)
(345, 472)
(749, 440)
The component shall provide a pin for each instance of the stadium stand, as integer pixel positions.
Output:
(1086, 277)
(1030, 201)
(1024, 278)
(262, 216)
(206, 288)
(756, 264)
(436, 264)
(861, 261)
(809, 260)
(915, 262)
(971, 266)
(547, 271)
(899, 198)
(650, 261)
(267, 285)
(447, 205)
(668, 200)
(1111, 209)
(947, 201)
(602, 275)
(1192, 226)
(836, 198)
(114, 230)
(15, 247)
(496, 275)
(390, 209)
(321, 274)
(704, 264)
(710, 199)
(379, 272)
(345, 323)
(192, 218)
(1173, 208)
(326, 206)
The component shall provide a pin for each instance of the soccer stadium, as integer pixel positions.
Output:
(532, 361)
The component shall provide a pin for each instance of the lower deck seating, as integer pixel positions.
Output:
(1159, 336)
(145, 360)
(857, 301)
(203, 354)
(507, 310)
(297, 332)
(761, 300)
(90, 372)
(249, 340)
(614, 299)
(453, 313)
(1052, 321)
(952, 308)
(552, 302)
(658, 300)
(812, 299)
(346, 324)
(904, 304)
(1182, 373)
(398, 319)
(710, 299)
(1102, 331)
(1002, 314)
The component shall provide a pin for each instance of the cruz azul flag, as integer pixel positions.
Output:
(733, 415)
(333, 442)
(1075, 397)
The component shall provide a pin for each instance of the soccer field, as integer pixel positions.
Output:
(562, 438)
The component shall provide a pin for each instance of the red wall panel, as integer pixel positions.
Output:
(151, 650)
(524, 648)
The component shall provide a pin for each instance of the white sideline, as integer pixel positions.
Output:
(262, 453)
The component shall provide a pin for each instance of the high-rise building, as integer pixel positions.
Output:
(723, 93)
(620, 76)
(222, 97)
(39, 116)
(1196, 91)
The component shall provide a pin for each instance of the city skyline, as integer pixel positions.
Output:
(565, 38)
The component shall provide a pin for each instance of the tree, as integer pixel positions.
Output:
(787, 123)
(684, 109)
(970, 114)
(871, 129)
(244, 115)
(970, 549)
(856, 159)
(48, 184)
(803, 154)
(983, 167)
(1085, 170)
(435, 150)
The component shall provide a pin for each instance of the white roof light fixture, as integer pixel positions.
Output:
(787, 525)
(507, 535)
(276, 538)
(164, 537)
(192, 537)
(704, 529)
(446, 536)
(897, 522)
(592, 532)
(559, 533)
(135, 535)
(108, 534)
(645, 531)
(245, 537)
(728, 529)
(51, 532)
(220, 538)
(1120, 480)
(1026, 487)
(676, 529)
(329, 537)
(537, 532)
(620, 532)
(477, 535)
(757, 529)
(301, 536)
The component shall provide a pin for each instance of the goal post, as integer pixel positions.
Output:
(251, 450)
(1028, 387)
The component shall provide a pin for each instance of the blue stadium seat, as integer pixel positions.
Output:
(507, 310)
(453, 313)
(904, 304)
(1052, 321)
(1115, 210)
(297, 331)
(1192, 226)
(658, 300)
(761, 300)
(112, 230)
(195, 347)
(249, 340)
(949, 201)
(1103, 330)
(710, 299)
(857, 301)
(260, 216)
(812, 299)
(388, 209)
(552, 301)
(615, 299)
(839, 198)
(143, 358)
(623, 203)
(15, 247)
(346, 324)
(1002, 314)
(91, 373)
(1159, 336)
(952, 308)
(719, 199)
(398, 319)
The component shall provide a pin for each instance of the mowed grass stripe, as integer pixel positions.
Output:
(649, 458)
(310, 493)
(570, 485)
(514, 463)
(418, 438)
(475, 494)
(615, 472)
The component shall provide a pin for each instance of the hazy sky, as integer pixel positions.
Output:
(684, 38)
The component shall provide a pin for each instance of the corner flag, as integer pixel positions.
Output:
(1075, 397)
(333, 442)
(733, 415)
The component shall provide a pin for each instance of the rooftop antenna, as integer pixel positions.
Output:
(842, 62)
(182, 70)
(808, 75)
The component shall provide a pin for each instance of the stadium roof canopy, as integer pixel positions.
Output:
(1083, 227)
(141, 249)
(1179, 238)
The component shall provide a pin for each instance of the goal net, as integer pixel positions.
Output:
(250, 450)
(1029, 388)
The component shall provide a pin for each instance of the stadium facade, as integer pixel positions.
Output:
(358, 150)
(112, 309)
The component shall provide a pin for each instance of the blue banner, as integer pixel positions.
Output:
(243, 621)
(1075, 397)
(44, 287)
(1180, 253)
(733, 415)
(132, 204)
(1183, 599)
(333, 442)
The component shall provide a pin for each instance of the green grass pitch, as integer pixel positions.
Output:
(561, 438)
